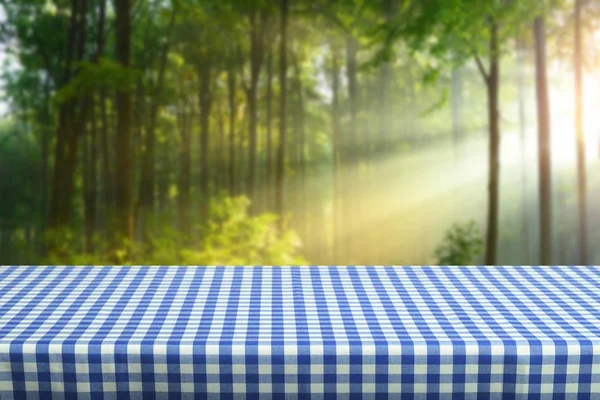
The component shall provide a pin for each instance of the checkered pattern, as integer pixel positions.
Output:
(331, 332)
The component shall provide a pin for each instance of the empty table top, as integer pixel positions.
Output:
(324, 331)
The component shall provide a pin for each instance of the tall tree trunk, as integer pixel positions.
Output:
(335, 133)
(543, 107)
(282, 110)
(349, 199)
(185, 167)
(301, 150)
(107, 178)
(124, 177)
(205, 101)
(269, 120)
(522, 134)
(78, 125)
(231, 91)
(258, 22)
(581, 163)
(90, 181)
(64, 125)
(493, 89)
(148, 171)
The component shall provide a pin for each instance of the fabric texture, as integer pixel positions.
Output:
(299, 332)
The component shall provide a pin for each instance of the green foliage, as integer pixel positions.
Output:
(231, 237)
(461, 246)
(106, 73)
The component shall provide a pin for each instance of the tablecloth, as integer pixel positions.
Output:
(299, 332)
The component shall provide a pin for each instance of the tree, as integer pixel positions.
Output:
(284, 9)
(545, 184)
(470, 30)
(581, 163)
(124, 176)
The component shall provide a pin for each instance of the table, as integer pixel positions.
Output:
(331, 332)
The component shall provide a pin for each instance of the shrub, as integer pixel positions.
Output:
(461, 245)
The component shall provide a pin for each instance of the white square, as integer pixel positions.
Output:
(369, 387)
(5, 367)
(420, 369)
(343, 387)
(547, 388)
(82, 387)
(161, 386)
(471, 369)
(572, 369)
(108, 368)
(212, 369)
(213, 388)
(571, 388)
(135, 386)
(317, 388)
(187, 387)
(497, 387)
(160, 349)
(160, 368)
(394, 388)
(471, 387)
(316, 350)
(368, 369)
(34, 387)
(238, 369)
(316, 369)
(368, 350)
(108, 386)
(445, 388)
(343, 350)
(56, 368)
(264, 387)
(291, 369)
(420, 388)
(497, 369)
(30, 367)
(134, 368)
(239, 387)
(290, 350)
(264, 369)
(342, 369)
(394, 369)
(186, 368)
(446, 369)
(291, 388)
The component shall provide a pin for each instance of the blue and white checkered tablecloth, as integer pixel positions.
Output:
(318, 332)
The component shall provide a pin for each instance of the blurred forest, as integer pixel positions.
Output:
(299, 132)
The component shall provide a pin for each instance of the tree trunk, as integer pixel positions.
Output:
(185, 167)
(335, 133)
(581, 163)
(231, 91)
(543, 107)
(282, 110)
(493, 88)
(90, 182)
(349, 199)
(205, 101)
(106, 173)
(78, 126)
(456, 104)
(523, 131)
(258, 21)
(301, 151)
(124, 167)
(269, 120)
(148, 172)
(64, 126)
